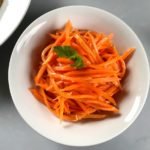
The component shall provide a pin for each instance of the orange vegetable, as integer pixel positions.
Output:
(75, 94)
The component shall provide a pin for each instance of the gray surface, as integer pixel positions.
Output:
(15, 134)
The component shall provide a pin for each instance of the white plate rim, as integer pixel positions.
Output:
(7, 12)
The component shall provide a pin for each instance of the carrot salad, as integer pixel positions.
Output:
(79, 73)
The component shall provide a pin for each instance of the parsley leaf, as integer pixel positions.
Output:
(69, 52)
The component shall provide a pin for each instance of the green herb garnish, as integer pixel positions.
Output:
(69, 52)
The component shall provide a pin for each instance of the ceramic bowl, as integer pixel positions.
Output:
(135, 86)
(11, 14)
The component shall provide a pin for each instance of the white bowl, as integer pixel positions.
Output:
(44, 122)
(11, 14)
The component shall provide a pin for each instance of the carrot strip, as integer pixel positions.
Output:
(40, 73)
(128, 53)
(96, 116)
(99, 59)
(86, 48)
(64, 60)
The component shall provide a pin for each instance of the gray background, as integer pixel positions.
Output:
(15, 134)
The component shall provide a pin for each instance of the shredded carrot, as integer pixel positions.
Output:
(64, 60)
(74, 94)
